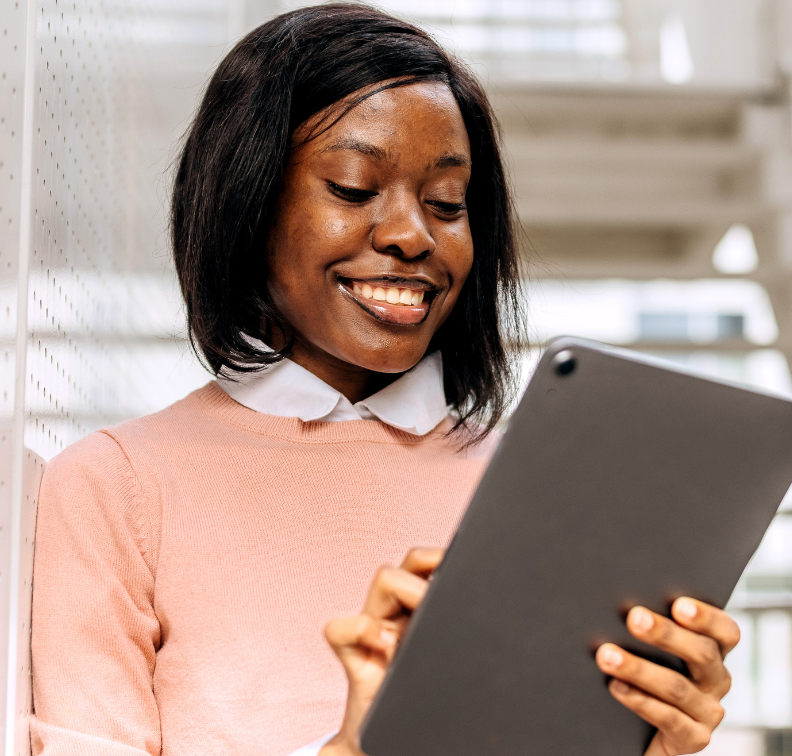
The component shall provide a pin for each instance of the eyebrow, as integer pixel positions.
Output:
(366, 148)
(450, 160)
(453, 160)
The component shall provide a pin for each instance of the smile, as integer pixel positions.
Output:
(398, 305)
(391, 295)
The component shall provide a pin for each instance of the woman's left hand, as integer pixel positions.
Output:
(684, 710)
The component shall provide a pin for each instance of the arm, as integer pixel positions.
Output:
(95, 633)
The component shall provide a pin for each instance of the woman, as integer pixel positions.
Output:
(343, 236)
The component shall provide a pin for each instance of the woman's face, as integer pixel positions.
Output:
(370, 244)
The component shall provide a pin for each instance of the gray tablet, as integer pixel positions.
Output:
(620, 481)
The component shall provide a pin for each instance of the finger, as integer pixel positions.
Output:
(393, 591)
(707, 620)
(346, 634)
(423, 561)
(662, 683)
(701, 653)
(676, 728)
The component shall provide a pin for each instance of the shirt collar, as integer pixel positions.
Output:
(414, 402)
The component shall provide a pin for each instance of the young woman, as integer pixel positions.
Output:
(343, 236)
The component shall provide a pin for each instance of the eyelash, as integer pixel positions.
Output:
(361, 195)
(449, 208)
(350, 194)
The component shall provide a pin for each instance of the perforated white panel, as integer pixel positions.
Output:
(14, 484)
(12, 76)
(91, 329)
(102, 304)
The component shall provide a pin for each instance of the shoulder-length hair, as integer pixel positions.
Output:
(230, 171)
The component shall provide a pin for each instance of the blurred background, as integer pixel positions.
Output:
(650, 146)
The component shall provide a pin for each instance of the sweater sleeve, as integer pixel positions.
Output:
(95, 632)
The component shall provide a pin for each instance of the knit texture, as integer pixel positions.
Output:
(187, 562)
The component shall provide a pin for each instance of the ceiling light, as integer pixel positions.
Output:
(736, 251)
(676, 63)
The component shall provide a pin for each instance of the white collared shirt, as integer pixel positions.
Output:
(414, 402)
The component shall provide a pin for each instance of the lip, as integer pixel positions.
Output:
(401, 282)
(401, 315)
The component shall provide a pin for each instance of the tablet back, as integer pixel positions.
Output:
(618, 482)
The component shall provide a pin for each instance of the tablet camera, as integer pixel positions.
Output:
(564, 362)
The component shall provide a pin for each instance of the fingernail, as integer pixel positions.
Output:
(686, 608)
(610, 657)
(641, 619)
(620, 687)
(388, 637)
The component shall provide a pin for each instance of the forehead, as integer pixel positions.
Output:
(419, 120)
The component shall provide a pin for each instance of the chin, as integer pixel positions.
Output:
(386, 359)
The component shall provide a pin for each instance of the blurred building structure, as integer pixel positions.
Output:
(650, 144)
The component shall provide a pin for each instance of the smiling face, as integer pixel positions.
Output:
(370, 244)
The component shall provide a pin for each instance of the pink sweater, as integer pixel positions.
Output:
(186, 563)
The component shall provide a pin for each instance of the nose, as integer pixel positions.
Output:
(402, 231)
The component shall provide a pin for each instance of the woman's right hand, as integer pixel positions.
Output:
(366, 643)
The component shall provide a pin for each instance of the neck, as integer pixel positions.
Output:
(354, 382)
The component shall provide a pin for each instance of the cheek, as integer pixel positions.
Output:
(335, 228)
(460, 258)
(295, 247)
(319, 223)
(312, 236)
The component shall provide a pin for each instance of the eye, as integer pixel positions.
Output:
(350, 194)
(449, 209)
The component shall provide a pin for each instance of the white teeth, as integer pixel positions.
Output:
(391, 295)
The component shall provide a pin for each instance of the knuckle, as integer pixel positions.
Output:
(699, 739)
(636, 700)
(384, 574)
(665, 630)
(670, 721)
(331, 630)
(678, 690)
(422, 559)
(709, 652)
(727, 681)
(362, 627)
(632, 666)
(339, 628)
(718, 713)
(435, 555)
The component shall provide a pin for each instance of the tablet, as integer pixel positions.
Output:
(621, 480)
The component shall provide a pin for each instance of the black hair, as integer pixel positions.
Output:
(229, 175)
